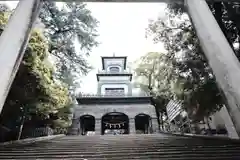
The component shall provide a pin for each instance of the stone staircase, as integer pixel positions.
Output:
(121, 147)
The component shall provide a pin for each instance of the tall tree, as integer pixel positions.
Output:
(153, 74)
(226, 14)
(193, 81)
(66, 26)
(34, 91)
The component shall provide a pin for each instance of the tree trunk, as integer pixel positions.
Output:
(161, 120)
(21, 128)
(207, 121)
(158, 116)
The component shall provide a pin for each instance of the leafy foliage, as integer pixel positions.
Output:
(64, 27)
(191, 79)
(34, 92)
(154, 72)
(227, 15)
(36, 95)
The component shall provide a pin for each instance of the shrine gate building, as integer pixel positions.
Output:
(114, 109)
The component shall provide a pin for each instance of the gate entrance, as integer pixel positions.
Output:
(115, 123)
(143, 124)
(87, 124)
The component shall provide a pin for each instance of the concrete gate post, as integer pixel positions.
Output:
(220, 55)
(13, 43)
(155, 125)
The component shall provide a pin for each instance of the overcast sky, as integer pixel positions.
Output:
(122, 31)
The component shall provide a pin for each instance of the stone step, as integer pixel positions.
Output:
(160, 151)
(111, 148)
(127, 146)
(147, 158)
(141, 155)
(118, 147)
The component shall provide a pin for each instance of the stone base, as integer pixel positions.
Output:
(132, 129)
(37, 132)
(98, 128)
(155, 128)
(73, 131)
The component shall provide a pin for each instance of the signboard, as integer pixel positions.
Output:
(173, 109)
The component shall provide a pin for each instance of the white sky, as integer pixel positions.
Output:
(122, 31)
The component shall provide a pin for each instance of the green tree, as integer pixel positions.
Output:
(193, 81)
(64, 27)
(154, 74)
(154, 71)
(34, 90)
(226, 14)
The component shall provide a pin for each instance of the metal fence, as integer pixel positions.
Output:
(37, 132)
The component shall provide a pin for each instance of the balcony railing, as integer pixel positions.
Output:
(108, 72)
(112, 95)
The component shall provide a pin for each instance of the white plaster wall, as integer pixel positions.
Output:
(114, 86)
(232, 133)
(114, 78)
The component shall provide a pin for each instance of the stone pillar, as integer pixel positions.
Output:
(150, 128)
(75, 127)
(228, 123)
(98, 127)
(155, 125)
(13, 42)
(220, 55)
(132, 129)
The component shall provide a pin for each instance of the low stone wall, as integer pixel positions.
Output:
(37, 132)
(31, 140)
(199, 136)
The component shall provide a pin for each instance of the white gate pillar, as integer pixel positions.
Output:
(221, 57)
(13, 42)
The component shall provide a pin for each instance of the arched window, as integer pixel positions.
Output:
(114, 69)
